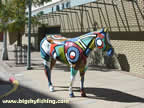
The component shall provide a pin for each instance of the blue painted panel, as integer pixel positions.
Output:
(62, 5)
(80, 2)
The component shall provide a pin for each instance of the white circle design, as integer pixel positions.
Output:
(99, 42)
(72, 55)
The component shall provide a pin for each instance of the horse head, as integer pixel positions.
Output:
(101, 40)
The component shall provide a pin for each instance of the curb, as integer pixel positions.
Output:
(15, 84)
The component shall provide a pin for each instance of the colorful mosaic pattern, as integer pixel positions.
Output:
(74, 51)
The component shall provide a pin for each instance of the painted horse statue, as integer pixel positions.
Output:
(73, 52)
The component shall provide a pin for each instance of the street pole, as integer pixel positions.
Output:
(29, 37)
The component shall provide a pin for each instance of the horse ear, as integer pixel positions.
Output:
(105, 29)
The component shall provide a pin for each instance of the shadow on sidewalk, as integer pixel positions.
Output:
(112, 95)
(22, 94)
(107, 94)
(3, 82)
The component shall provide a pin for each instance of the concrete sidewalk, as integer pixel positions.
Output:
(105, 88)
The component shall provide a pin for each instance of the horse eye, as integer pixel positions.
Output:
(99, 42)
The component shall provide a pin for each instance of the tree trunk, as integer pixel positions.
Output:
(4, 49)
(19, 40)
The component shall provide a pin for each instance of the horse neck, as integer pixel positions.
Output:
(92, 44)
(90, 47)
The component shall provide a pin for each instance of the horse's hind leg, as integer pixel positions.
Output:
(82, 74)
(73, 74)
(48, 74)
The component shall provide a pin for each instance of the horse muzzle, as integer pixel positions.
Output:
(110, 52)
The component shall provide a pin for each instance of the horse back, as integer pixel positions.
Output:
(55, 39)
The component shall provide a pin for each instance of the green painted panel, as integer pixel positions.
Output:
(87, 40)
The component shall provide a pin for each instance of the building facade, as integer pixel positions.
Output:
(124, 18)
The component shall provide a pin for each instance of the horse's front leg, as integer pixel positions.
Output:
(48, 74)
(53, 62)
(82, 74)
(73, 74)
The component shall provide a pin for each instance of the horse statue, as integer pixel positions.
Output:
(73, 52)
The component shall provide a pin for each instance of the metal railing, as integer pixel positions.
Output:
(20, 54)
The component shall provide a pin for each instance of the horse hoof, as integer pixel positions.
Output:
(71, 95)
(83, 95)
(51, 88)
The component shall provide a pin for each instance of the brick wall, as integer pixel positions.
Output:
(129, 56)
(131, 52)
(116, 17)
